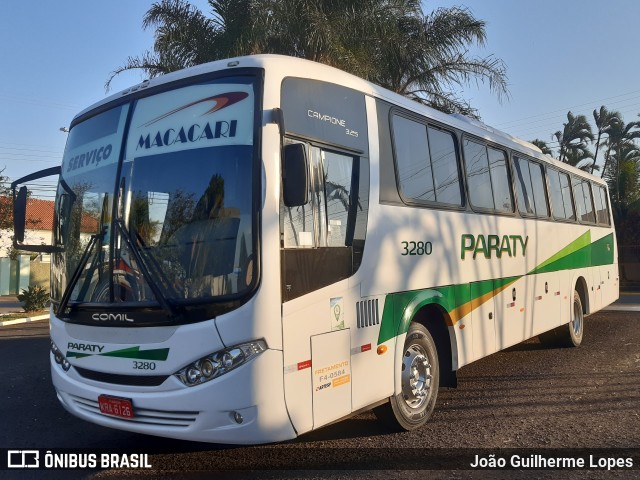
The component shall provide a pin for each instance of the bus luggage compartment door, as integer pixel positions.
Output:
(331, 364)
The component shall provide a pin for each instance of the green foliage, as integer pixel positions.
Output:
(542, 145)
(34, 298)
(391, 43)
(573, 139)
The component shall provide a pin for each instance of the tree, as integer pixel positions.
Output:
(574, 136)
(575, 157)
(623, 177)
(542, 145)
(389, 42)
(620, 134)
(605, 121)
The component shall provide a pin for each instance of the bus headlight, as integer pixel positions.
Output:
(59, 357)
(218, 363)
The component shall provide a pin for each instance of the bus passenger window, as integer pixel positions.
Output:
(487, 177)
(500, 180)
(602, 212)
(415, 178)
(530, 188)
(478, 179)
(539, 190)
(584, 201)
(565, 186)
(444, 162)
(426, 163)
(524, 192)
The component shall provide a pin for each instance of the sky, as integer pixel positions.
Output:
(560, 55)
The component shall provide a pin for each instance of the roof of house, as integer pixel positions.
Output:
(39, 214)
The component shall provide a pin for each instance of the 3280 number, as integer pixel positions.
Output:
(144, 365)
(417, 248)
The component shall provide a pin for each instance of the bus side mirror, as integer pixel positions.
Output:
(20, 195)
(20, 214)
(295, 175)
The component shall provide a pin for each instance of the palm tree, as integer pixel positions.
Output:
(605, 121)
(425, 57)
(389, 42)
(574, 156)
(542, 145)
(619, 134)
(574, 136)
(623, 177)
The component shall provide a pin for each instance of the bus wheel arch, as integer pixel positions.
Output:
(435, 319)
(571, 334)
(583, 291)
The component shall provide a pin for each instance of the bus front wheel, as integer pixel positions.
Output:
(419, 374)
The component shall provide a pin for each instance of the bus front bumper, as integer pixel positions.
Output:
(244, 406)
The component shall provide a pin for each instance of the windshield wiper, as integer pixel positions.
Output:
(157, 269)
(78, 271)
(164, 304)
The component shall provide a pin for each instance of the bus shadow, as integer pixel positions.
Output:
(361, 426)
(529, 346)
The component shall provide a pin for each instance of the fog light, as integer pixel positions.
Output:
(237, 417)
(59, 358)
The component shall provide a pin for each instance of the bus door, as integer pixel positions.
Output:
(321, 247)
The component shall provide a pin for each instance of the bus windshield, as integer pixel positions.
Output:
(155, 201)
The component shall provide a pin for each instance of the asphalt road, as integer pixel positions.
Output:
(528, 397)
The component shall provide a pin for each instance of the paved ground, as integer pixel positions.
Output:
(530, 397)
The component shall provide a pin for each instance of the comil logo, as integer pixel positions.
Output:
(23, 459)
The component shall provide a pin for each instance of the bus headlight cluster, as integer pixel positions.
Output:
(59, 357)
(218, 363)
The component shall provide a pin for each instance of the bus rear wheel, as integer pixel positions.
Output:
(569, 335)
(419, 379)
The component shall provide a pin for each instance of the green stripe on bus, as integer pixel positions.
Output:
(159, 354)
(593, 254)
(581, 242)
(460, 300)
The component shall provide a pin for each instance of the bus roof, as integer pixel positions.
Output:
(286, 66)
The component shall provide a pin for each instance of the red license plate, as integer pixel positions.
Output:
(116, 407)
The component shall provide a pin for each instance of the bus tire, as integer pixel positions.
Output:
(569, 335)
(413, 406)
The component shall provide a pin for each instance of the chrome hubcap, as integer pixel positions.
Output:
(416, 376)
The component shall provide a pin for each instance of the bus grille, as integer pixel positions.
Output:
(367, 313)
(164, 418)
(119, 379)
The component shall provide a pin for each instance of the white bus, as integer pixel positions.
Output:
(247, 250)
